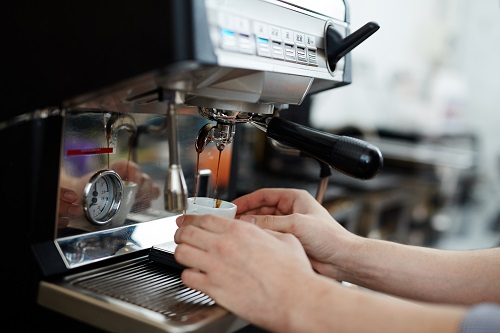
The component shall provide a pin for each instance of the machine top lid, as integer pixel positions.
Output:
(334, 8)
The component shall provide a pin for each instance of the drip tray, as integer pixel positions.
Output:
(136, 296)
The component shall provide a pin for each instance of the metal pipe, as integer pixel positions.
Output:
(175, 192)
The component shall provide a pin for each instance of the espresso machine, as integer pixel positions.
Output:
(92, 89)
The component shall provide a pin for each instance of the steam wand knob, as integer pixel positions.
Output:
(337, 47)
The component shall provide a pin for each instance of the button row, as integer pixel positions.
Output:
(238, 35)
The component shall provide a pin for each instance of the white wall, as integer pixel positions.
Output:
(432, 67)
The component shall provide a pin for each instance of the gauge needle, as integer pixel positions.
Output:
(94, 202)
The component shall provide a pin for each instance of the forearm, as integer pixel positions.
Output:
(327, 306)
(459, 277)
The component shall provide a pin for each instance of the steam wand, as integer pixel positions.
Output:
(325, 174)
(325, 169)
(175, 193)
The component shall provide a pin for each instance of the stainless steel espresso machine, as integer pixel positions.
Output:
(92, 89)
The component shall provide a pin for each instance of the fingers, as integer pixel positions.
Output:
(68, 206)
(147, 191)
(271, 222)
(129, 171)
(253, 202)
(212, 223)
(196, 237)
(261, 210)
(68, 195)
(275, 201)
(192, 256)
(195, 279)
(285, 237)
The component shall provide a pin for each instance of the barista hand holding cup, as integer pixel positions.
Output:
(281, 272)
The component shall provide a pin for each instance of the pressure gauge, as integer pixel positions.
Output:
(103, 196)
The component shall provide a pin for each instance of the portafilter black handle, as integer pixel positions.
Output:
(351, 156)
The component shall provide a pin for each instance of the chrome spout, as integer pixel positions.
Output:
(203, 138)
(122, 122)
(221, 134)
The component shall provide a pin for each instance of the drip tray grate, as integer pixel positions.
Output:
(149, 285)
(136, 295)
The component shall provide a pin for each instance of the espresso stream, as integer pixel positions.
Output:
(217, 201)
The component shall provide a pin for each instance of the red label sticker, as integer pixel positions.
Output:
(89, 151)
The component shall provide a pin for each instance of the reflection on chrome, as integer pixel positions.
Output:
(91, 247)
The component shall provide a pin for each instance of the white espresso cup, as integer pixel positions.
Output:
(205, 205)
(128, 200)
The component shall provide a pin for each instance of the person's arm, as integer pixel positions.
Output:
(462, 277)
(324, 305)
(265, 278)
(457, 277)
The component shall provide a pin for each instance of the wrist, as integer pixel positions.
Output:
(316, 298)
(347, 259)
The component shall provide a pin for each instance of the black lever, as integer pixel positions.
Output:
(351, 156)
(336, 47)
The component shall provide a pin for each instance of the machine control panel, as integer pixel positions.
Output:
(276, 37)
(239, 34)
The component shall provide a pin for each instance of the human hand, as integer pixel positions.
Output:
(69, 207)
(297, 212)
(246, 269)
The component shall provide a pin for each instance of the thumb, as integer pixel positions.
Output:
(270, 222)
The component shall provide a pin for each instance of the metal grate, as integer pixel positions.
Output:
(150, 285)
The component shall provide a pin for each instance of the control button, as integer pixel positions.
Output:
(277, 50)
(310, 42)
(312, 56)
(260, 29)
(287, 36)
(275, 33)
(299, 39)
(290, 53)
(228, 40)
(301, 55)
(263, 47)
(246, 44)
(244, 36)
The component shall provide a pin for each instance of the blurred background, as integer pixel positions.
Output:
(425, 91)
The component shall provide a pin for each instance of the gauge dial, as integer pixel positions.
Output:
(103, 196)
